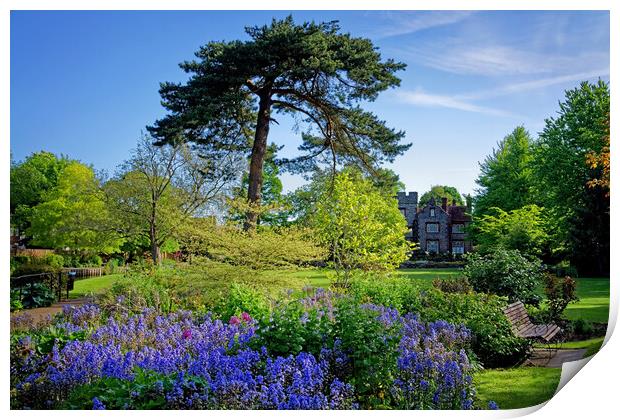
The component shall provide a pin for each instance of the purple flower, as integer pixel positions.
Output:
(98, 405)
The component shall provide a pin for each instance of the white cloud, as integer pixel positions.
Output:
(534, 84)
(419, 97)
(497, 60)
(405, 22)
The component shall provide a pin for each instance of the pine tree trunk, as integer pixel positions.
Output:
(257, 160)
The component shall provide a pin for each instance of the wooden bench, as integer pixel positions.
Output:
(522, 325)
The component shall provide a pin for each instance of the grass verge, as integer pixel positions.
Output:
(516, 388)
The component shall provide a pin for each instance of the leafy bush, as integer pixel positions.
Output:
(564, 268)
(560, 292)
(242, 298)
(32, 296)
(263, 249)
(493, 341)
(453, 285)
(134, 294)
(505, 273)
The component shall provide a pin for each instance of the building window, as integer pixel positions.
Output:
(432, 246)
(458, 247)
(403, 212)
(459, 228)
(432, 227)
(432, 212)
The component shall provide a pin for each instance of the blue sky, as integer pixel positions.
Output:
(85, 84)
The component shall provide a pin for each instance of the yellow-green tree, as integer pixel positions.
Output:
(73, 214)
(361, 226)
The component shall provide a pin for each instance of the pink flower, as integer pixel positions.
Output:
(246, 317)
(234, 320)
(187, 334)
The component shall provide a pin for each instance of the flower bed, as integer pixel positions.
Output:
(184, 360)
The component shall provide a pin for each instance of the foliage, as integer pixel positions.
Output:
(505, 179)
(437, 192)
(240, 299)
(505, 273)
(453, 285)
(160, 188)
(563, 176)
(262, 249)
(32, 296)
(131, 294)
(31, 180)
(493, 341)
(309, 71)
(523, 229)
(362, 227)
(73, 214)
(601, 159)
(560, 292)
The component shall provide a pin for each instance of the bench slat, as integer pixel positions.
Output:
(523, 327)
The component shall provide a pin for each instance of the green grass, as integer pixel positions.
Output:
(593, 302)
(516, 388)
(93, 285)
(319, 277)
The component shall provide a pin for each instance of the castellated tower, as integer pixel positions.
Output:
(408, 204)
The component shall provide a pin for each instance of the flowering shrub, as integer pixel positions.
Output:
(349, 356)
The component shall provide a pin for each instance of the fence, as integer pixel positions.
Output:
(57, 282)
(81, 272)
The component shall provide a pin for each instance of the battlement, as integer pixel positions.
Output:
(407, 197)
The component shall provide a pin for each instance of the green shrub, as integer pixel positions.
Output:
(493, 340)
(372, 348)
(35, 296)
(560, 292)
(582, 327)
(16, 301)
(54, 260)
(136, 293)
(564, 268)
(505, 273)
(242, 298)
(111, 266)
(453, 285)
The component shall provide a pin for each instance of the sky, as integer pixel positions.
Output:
(85, 84)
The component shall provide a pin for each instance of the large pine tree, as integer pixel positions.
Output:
(311, 71)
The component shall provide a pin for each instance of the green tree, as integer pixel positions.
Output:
(159, 188)
(505, 180)
(309, 71)
(73, 214)
(30, 181)
(442, 191)
(563, 176)
(303, 201)
(523, 229)
(361, 226)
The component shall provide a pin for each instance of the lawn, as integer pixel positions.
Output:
(319, 277)
(93, 285)
(518, 387)
(593, 302)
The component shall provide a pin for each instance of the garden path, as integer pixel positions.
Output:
(39, 314)
(540, 357)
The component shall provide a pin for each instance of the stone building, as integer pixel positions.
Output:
(438, 229)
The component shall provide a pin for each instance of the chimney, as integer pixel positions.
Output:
(444, 203)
